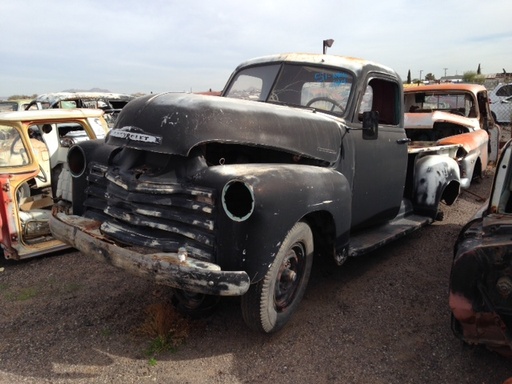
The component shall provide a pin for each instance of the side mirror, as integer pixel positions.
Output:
(370, 125)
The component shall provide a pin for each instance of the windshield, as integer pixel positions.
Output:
(322, 88)
(453, 102)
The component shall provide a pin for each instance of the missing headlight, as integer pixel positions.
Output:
(76, 161)
(238, 200)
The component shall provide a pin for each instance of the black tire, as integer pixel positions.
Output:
(270, 303)
(194, 305)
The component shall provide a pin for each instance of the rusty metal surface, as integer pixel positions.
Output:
(446, 87)
(173, 269)
(470, 141)
(481, 284)
(481, 277)
(53, 98)
(426, 120)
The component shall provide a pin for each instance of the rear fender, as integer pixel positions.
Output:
(436, 178)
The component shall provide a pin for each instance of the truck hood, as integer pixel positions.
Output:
(426, 120)
(174, 123)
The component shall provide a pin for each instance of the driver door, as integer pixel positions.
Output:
(380, 163)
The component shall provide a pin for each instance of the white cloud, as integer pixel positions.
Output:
(132, 46)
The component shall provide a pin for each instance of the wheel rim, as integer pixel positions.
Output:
(290, 274)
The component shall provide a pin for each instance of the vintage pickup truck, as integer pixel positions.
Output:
(301, 156)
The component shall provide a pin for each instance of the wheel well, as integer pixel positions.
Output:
(477, 171)
(450, 192)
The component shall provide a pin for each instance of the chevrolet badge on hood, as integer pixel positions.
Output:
(135, 134)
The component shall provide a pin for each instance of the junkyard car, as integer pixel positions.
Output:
(501, 107)
(15, 105)
(481, 276)
(33, 173)
(110, 103)
(456, 114)
(302, 155)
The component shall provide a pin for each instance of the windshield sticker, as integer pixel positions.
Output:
(336, 78)
(135, 134)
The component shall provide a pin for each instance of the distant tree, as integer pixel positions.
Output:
(473, 77)
(430, 77)
(478, 71)
(17, 97)
(409, 77)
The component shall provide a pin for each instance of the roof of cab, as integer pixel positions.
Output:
(445, 87)
(351, 63)
(54, 113)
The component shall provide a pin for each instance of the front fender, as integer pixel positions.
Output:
(282, 195)
(436, 178)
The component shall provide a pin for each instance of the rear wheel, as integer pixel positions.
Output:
(269, 304)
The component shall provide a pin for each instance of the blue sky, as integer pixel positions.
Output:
(177, 45)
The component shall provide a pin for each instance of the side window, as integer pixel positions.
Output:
(12, 150)
(506, 90)
(366, 103)
(381, 96)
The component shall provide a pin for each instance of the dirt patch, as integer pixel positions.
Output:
(381, 318)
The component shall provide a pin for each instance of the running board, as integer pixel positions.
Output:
(370, 239)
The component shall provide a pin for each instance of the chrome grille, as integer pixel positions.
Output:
(158, 212)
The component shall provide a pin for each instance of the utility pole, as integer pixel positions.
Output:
(445, 71)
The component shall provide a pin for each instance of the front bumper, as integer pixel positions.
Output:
(163, 268)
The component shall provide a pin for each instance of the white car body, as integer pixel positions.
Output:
(501, 103)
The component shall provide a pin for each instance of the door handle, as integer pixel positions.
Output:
(404, 140)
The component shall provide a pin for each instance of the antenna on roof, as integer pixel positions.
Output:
(328, 43)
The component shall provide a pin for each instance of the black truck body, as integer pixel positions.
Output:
(302, 155)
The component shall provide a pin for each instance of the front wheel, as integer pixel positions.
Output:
(269, 304)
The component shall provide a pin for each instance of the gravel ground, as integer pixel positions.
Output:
(381, 318)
